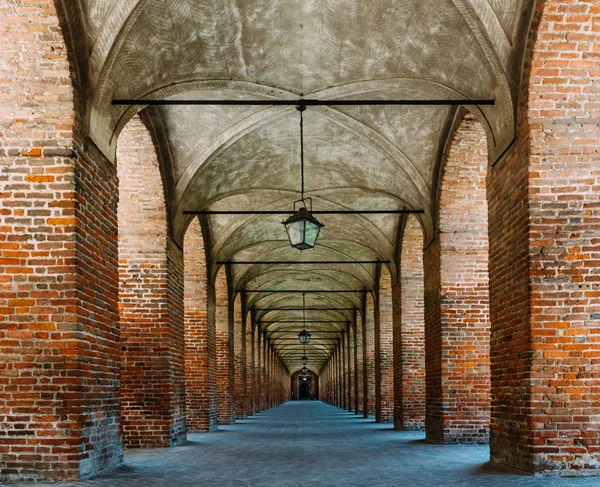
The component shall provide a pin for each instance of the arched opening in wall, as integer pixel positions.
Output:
(224, 325)
(305, 387)
(412, 328)
(150, 299)
(457, 326)
(200, 384)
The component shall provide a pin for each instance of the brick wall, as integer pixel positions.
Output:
(150, 300)
(359, 366)
(250, 380)
(351, 404)
(371, 357)
(544, 250)
(225, 352)
(457, 295)
(384, 338)
(59, 365)
(200, 336)
(408, 295)
(240, 359)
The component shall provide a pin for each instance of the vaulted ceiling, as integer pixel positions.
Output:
(247, 157)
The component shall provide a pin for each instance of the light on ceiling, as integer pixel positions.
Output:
(304, 370)
(304, 360)
(302, 228)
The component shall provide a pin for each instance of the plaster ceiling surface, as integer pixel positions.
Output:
(247, 157)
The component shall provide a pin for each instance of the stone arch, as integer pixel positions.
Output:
(150, 300)
(457, 328)
(543, 207)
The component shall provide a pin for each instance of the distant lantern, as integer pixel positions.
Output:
(304, 360)
(304, 336)
(304, 371)
(302, 229)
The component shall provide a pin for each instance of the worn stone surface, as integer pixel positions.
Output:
(308, 441)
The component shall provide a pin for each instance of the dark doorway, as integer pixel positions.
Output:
(305, 391)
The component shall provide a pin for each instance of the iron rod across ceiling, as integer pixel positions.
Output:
(307, 102)
(302, 291)
(290, 212)
(307, 309)
(302, 262)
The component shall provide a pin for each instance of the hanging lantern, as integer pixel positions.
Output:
(304, 360)
(304, 371)
(304, 336)
(302, 229)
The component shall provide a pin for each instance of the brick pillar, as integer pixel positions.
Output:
(457, 298)
(356, 380)
(544, 254)
(384, 349)
(359, 366)
(258, 376)
(351, 404)
(150, 300)
(59, 335)
(370, 359)
(225, 353)
(251, 355)
(409, 332)
(343, 372)
(263, 375)
(240, 359)
(200, 338)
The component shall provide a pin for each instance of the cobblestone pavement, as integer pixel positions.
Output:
(312, 443)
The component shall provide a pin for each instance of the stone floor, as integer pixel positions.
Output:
(312, 443)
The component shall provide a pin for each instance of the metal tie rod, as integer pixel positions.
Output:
(308, 102)
(291, 212)
(301, 262)
(302, 291)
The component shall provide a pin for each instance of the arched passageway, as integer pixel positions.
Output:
(149, 151)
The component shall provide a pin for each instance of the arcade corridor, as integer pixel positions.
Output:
(299, 242)
(312, 443)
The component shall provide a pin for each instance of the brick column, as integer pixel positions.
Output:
(351, 404)
(384, 352)
(343, 372)
(200, 337)
(409, 332)
(371, 357)
(359, 366)
(544, 254)
(59, 336)
(457, 324)
(225, 358)
(150, 300)
(240, 359)
(252, 376)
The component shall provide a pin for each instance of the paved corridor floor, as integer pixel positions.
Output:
(310, 443)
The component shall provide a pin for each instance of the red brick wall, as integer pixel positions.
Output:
(411, 342)
(225, 352)
(59, 366)
(371, 357)
(150, 300)
(257, 374)
(200, 336)
(384, 343)
(544, 250)
(250, 380)
(240, 359)
(351, 404)
(359, 366)
(459, 258)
